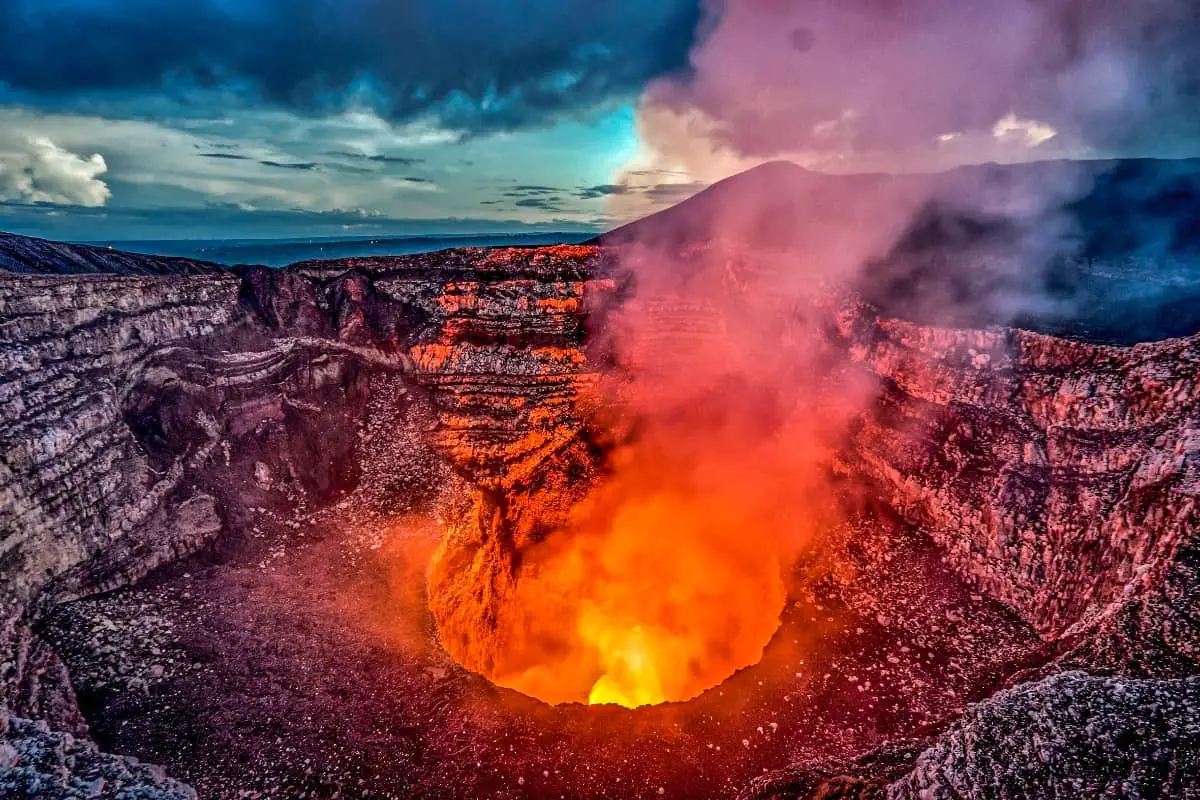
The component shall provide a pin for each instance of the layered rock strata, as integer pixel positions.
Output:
(1059, 477)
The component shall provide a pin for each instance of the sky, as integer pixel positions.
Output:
(136, 119)
(198, 119)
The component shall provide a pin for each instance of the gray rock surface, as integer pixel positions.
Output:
(1059, 477)
(1070, 735)
(36, 762)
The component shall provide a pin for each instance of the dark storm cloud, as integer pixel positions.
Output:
(475, 65)
(603, 190)
(403, 161)
(306, 166)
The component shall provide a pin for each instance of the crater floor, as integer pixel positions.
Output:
(299, 661)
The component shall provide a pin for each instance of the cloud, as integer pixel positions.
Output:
(404, 161)
(530, 189)
(159, 161)
(302, 165)
(850, 85)
(1032, 133)
(466, 64)
(672, 192)
(541, 203)
(602, 190)
(36, 170)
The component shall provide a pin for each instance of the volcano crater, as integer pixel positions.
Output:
(222, 563)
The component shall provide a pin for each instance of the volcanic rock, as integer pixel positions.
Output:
(148, 417)
(36, 762)
(1068, 736)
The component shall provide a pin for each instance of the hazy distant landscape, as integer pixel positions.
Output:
(280, 252)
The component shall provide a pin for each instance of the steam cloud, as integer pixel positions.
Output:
(734, 393)
(893, 84)
(918, 87)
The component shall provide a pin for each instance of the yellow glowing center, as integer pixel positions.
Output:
(630, 679)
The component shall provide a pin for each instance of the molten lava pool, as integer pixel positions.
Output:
(653, 601)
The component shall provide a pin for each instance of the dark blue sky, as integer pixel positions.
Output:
(166, 118)
(125, 119)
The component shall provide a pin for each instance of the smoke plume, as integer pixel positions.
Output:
(732, 393)
(731, 385)
(901, 86)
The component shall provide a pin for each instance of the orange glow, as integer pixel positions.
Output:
(659, 607)
(665, 580)
(635, 545)
(660, 596)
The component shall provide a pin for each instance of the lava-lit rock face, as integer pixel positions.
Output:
(1059, 477)
(147, 418)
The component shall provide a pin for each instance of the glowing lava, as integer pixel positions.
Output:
(654, 592)
(631, 668)
(640, 559)
(672, 600)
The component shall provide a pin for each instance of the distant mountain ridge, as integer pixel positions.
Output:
(31, 256)
(283, 252)
(771, 200)
(1103, 250)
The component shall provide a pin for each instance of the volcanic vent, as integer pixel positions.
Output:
(647, 558)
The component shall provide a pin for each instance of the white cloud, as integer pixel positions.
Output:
(270, 160)
(33, 169)
(1031, 132)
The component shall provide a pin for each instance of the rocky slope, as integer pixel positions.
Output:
(38, 762)
(28, 256)
(1068, 736)
(143, 417)
(1059, 477)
